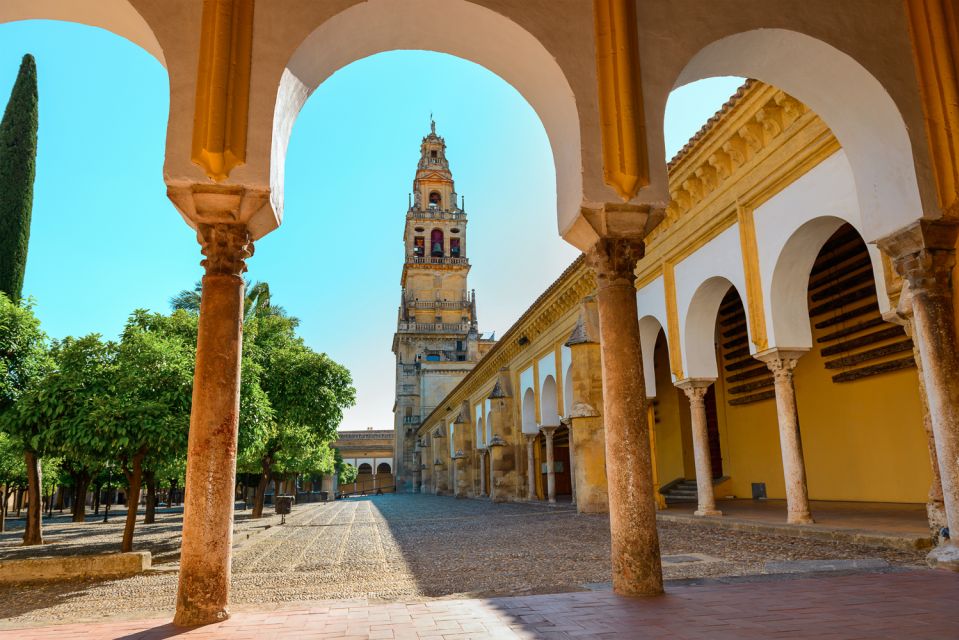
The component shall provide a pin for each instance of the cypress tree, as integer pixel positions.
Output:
(18, 160)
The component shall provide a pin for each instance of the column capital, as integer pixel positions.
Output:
(226, 247)
(549, 430)
(781, 361)
(613, 260)
(924, 254)
(530, 437)
(695, 388)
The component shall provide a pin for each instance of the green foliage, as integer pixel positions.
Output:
(347, 474)
(24, 362)
(12, 468)
(18, 158)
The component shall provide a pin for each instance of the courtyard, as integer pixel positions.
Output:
(403, 548)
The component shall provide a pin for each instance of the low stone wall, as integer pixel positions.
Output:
(104, 565)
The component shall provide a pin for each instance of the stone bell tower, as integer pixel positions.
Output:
(437, 341)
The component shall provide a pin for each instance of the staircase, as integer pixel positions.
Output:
(681, 492)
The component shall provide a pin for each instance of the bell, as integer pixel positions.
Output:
(437, 249)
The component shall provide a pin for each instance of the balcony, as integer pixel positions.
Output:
(437, 261)
(436, 214)
(452, 305)
(433, 327)
(411, 420)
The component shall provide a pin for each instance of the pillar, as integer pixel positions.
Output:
(530, 465)
(782, 363)
(695, 390)
(636, 563)
(482, 472)
(204, 580)
(924, 255)
(549, 432)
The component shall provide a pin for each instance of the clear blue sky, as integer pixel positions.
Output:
(105, 240)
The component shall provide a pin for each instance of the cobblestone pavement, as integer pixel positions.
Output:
(408, 548)
(916, 604)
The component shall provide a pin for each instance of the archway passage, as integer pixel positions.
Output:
(561, 464)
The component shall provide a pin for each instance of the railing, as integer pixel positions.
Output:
(434, 327)
(436, 214)
(411, 420)
(432, 260)
(438, 304)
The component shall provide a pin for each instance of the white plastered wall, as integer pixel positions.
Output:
(702, 280)
(791, 228)
(651, 307)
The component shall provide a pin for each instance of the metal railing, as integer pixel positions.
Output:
(436, 260)
(434, 327)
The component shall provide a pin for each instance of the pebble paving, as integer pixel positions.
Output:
(397, 548)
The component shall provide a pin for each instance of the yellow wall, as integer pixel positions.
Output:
(669, 437)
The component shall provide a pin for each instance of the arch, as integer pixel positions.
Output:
(384, 467)
(547, 408)
(116, 16)
(529, 411)
(437, 245)
(455, 27)
(789, 304)
(365, 467)
(649, 329)
(861, 114)
(700, 330)
(480, 431)
(488, 425)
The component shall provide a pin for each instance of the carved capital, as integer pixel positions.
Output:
(924, 254)
(549, 431)
(695, 390)
(781, 362)
(613, 260)
(226, 247)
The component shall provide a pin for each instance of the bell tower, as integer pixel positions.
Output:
(437, 341)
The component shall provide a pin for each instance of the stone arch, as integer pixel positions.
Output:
(455, 27)
(649, 329)
(789, 303)
(548, 413)
(700, 330)
(529, 411)
(365, 467)
(862, 114)
(480, 430)
(384, 467)
(116, 16)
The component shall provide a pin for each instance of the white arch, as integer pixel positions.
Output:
(568, 391)
(548, 412)
(700, 332)
(857, 108)
(455, 27)
(116, 16)
(480, 431)
(649, 328)
(529, 411)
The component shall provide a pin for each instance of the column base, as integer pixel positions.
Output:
(197, 618)
(707, 512)
(945, 556)
(800, 518)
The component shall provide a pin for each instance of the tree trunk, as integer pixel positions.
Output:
(32, 533)
(81, 484)
(151, 509)
(134, 479)
(3, 508)
(260, 496)
(18, 500)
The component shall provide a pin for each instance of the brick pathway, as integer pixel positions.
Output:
(911, 604)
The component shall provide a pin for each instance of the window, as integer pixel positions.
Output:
(436, 243)
(435, 198)
(459, 345)
(419, 243)
(455, 247)
(433, 153)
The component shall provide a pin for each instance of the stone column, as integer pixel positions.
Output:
(204, 581)
(695, 390)
(636, 564)
(530, 465)
(924, 255)
(482, 472)
(782, 362)
(549, 432)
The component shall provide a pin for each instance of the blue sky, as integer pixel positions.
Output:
(105, 240)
